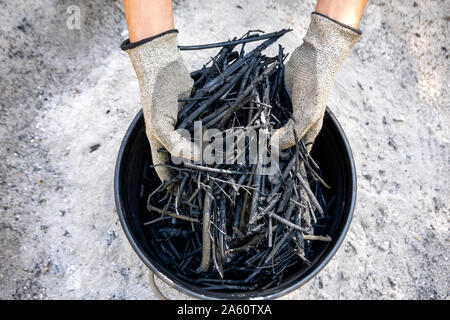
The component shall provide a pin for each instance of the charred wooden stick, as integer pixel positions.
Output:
(287, 223)
(236, 42)
(270, 231)
(238, 64)
(188, 121)
(223, 226)
(171, 214)
(310, 194)
(244, 206)
(194, 194)
(215, 243)
(318, 238)
(251, 244)
(209, 169)
(155, 220)
(206, 240)
(179, 192)
(255, 196)
(284, 175)
(245, 94)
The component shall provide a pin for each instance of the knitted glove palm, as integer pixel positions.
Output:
(309, 77)
(163, 80)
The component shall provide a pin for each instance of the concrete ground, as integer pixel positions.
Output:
(63, 91)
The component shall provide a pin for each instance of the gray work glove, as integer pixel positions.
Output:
(163, 79)
(309, 77)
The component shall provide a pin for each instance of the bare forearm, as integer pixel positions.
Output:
(348, 12)
(146, 18)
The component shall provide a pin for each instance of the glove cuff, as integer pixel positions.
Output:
(127, 45)
(153, 54)
(330, 37)
(338, 22)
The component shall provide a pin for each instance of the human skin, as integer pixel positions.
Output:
(146, 18)
(348, 12)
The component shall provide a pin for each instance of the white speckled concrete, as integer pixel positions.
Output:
(62, 91)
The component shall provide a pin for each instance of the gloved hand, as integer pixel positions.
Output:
(163, 79)
(309, 76)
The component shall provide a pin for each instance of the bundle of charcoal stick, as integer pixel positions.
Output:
(229, 226)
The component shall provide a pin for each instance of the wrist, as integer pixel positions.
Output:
(347, 12)
(149, 32)
(338, 22)
(148, 18)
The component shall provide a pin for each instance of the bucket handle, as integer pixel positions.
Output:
(159, 295)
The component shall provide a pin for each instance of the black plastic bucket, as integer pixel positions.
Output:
(331, 151)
